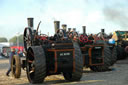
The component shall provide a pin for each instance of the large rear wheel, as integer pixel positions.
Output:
(36, 64)
(75, 76)
(121, 54)
(107, 59)
(113, 55)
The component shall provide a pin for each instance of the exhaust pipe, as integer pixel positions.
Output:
(56, 25)
(74, 29)
(69, 29)
(102, 30)
(84, 29)
(64, 26)
(30, 22)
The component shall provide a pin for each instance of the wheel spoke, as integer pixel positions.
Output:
(27, 38)
(31, 72)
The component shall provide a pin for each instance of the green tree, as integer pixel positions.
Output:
(3, 39)
(20, 39)
(14, 39)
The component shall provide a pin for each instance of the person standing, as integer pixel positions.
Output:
(12, 53)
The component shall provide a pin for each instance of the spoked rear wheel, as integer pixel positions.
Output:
(27, 38)
(36, 64)
(83, 39)
(16, 66)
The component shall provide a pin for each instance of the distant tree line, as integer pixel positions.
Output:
(13, 39)
(3, 39)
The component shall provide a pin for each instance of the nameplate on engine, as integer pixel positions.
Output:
(67, 53)
(64, 54)
(97, 47)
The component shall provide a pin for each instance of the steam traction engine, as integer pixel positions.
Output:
(49, 55)
(93, 53)
(96, 54)
(110, 54)
(121, 39)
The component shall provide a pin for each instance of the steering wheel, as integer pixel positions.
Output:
(72, 35)
(83, 38)
(61, 34)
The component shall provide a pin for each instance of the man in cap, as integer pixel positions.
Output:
(12, 53)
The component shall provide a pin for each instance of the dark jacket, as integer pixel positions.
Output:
(10, 57)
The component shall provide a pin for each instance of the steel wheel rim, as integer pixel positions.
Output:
(27, 38)
(14, 66)
(30, 65)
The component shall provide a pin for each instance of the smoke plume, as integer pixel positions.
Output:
(116, 14)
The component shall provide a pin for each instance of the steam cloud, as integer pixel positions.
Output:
(116, 16)
(117, 13)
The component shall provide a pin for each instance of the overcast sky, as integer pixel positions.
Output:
(95, 14)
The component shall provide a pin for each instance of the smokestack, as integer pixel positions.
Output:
(102, 30)
(74, 29)
(56, 25)
(69, 29)
(30, 22)
(64, 26)
(84, 29)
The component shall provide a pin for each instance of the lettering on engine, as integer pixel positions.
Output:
(65, 54)
(97, 47)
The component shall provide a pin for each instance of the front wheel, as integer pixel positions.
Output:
(16, 66)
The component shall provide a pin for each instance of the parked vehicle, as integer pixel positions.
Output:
(5, 51)
(48, 55)
(121, 39)
(19, 50)
(97, 54)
